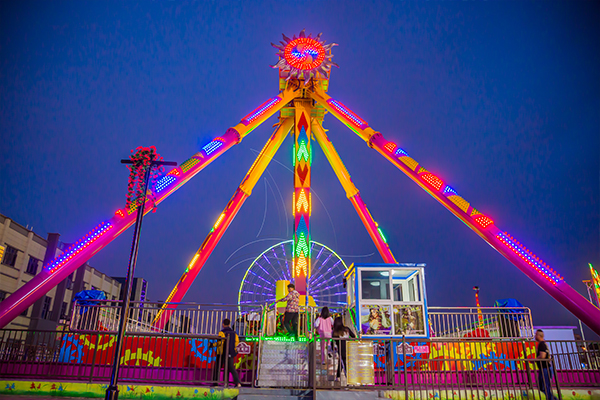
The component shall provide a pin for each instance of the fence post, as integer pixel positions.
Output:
(225, 360)
(403, 364)
(312, 354)
(94, 358)
(555, 380)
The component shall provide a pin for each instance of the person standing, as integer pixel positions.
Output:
(290, 319)
(341, 331)
(324, 325)
(232, 340)
(545, 370)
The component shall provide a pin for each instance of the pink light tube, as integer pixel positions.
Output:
(200, 258)
(485, 227)
(371, 225)
(545, 278)
(61, 267)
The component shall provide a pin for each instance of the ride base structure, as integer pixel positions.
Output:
(304, 68)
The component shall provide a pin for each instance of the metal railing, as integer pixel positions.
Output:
(146, 357)
(186, 319)
(420, 366)
(476, 323)
(454, 368)
(306, 320)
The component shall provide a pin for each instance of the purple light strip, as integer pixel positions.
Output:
(349, 115)
(260, 277)
(263, 108)
(320, 251)
(329, 287)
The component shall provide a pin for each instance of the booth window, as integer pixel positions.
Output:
(406, 286)
(375, 286)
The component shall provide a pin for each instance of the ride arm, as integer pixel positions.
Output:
(537, 270)
(79, 253)
(352, 193)
(222, 223)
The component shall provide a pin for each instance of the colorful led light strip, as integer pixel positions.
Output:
(212, 146)
(191, 264)
(381, 234)
(448, 189)
(483, 221)
(219, 221)
(164, 182)
(400, 152)
(79, 246)
(263, 108)
(302, 203)
(349, 115)
(301, 246)
(132, 208)
(390, 146)
(187, 165)
(529, 258)
(303, 152)
(433, 180)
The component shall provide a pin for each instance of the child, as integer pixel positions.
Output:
(324, 326)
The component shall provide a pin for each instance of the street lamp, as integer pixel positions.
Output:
(112, 392)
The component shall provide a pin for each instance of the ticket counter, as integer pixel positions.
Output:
(388, 300)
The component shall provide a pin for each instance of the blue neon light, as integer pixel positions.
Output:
(526, 255)
(400, 152)
(164, 182)
(79, 246)
(261, 110)
(212, 146)
(448, 189)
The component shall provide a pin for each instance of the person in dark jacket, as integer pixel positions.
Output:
(341, 331)
(232, 339)
(545, 369)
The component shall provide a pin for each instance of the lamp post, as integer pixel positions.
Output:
(479, 314)
(112, 392)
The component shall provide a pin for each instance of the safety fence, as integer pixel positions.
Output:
(455, 368)
(185, 318)
(254, 320)
(465, 367)
(275, 320)
(146, 357)
(482, 322)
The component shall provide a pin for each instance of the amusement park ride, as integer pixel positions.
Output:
(304, 69)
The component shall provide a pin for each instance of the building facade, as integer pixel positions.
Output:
(24, 254)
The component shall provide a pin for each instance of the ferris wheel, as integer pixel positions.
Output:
(325, 285)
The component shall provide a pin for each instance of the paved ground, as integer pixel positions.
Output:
(16, 397)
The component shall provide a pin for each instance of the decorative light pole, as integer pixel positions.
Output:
(479, 314)
(142, 163)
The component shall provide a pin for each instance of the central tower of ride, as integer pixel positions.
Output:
(303, 60)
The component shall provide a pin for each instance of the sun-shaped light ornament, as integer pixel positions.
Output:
(304, 56)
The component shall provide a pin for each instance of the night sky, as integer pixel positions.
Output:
(501, 99)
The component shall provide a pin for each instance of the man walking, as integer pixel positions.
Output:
(230, 338)
(290, 319)
(545, 370)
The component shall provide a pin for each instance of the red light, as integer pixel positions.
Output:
(433, 181)
(174, 172)
(304, 53)
(389, 146)
(119, 213)
(484, 221)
